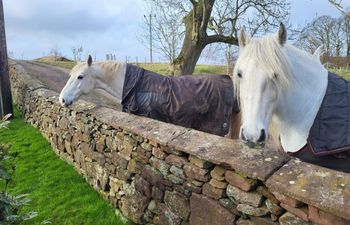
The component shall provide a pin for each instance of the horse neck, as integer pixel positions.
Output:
(111, 78)
(298, 107)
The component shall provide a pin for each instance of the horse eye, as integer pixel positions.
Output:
(80, 77)
(239, 75)
(275, 75)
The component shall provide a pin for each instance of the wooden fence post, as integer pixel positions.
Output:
(5, 88)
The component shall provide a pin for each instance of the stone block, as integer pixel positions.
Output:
(267, 194)
(230, 206)
(218, 173)
(142, 186)
(314, 185)
(252, 211)
(301, 212)
(99, 158)
(200, 162)
(251, 198)
(115, 186)
(240, 181)
(134, 167)
(175, 179)
(196, 173)
(212, 191)
(166, 216)
(152, 175)
(323, 218)
(182, 190)
(196, 182)
(68, 147)
(288, 200)
(158, 153)
(218, 184)
(192, 188)
(147, 146)
(141, 156)
(177, 172)
(273, 207)
(101, 144)
(256, 221)
(160, 165)
(119, 161)
(206, 211)
(290, 219)
(157, 193)
(133, 207)
(175, 160)
(178, 204)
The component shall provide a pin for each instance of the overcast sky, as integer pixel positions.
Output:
(33, 27)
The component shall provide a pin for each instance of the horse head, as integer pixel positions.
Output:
(82, 80)
(258, 78)
(279, 87)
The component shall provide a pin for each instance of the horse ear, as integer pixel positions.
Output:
(243, 37)
(282, 34)
(89, 61)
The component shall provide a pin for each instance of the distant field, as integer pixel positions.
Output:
(342, 72)
(155, 67)
(164, 68)
(63, 64)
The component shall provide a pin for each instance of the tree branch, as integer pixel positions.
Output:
(221, 38)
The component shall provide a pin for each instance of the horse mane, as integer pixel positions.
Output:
(111, 68)
(268, 53)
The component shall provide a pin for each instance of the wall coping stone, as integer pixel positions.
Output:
(314, 185)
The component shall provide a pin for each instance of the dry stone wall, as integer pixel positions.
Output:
(159, 173)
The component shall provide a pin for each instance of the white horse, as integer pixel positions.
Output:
(204, 103)
(281, 89)
(279, 86)
(84, 78)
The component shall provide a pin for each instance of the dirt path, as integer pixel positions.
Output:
(55, 78)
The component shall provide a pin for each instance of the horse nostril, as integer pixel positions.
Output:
(63, 101)
(262, 136)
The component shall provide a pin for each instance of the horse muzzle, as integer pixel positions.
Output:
(251, 143)
(65, 102)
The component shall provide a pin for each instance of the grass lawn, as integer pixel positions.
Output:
(58, 193)
(160, 68)
(67, 65)
(342, 72)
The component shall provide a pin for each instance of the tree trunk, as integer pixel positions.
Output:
(196, 38)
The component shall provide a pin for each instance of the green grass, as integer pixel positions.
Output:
(160, 68)
(58, 193)
(342, 72)
(163, 68)
(67, 65)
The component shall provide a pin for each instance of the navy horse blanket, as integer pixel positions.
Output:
(204, 103)
(329, 137)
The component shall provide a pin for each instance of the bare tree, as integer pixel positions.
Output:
(330, 32)
(338, 4)
(218, 21)
(317, 33)
(166, 29)
(346, 32)
(77, 52)
(215, 21)
(337, 37)
(55, 52)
